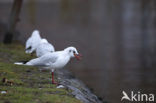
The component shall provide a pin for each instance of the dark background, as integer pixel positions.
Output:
(117, 39)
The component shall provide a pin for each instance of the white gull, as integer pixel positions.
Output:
(53, 60)
(36, 43)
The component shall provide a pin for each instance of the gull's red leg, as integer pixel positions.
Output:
(53, 81)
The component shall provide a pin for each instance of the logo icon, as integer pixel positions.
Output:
(125, 96)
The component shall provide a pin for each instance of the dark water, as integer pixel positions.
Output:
(117, 40)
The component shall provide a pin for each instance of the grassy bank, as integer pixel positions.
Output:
(25, 84)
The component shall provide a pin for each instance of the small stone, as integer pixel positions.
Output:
(60, 86)
(3, 92)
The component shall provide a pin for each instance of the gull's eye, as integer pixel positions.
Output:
(74, 52)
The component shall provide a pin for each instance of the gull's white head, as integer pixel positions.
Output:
(72, 52)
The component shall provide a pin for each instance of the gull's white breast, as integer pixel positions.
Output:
(61, 61)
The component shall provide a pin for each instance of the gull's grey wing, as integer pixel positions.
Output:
(44, 48)
(44, 60)
(50, 47)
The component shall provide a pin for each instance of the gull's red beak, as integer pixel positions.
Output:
(78, 56)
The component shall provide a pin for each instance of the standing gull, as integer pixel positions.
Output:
(53, 60)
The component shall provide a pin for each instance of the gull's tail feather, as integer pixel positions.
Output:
(18, 63)
(21, 63)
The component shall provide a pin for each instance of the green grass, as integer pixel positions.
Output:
(30, 85)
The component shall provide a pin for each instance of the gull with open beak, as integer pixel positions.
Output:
(54, 60)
